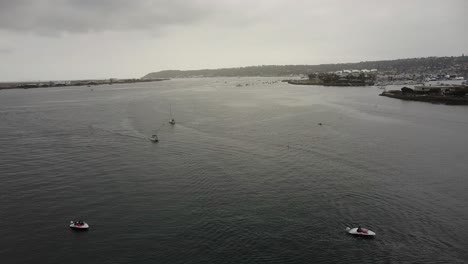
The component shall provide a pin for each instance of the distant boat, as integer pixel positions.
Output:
(79, 225)
(358, 231)
(172, 120)
(154, 138)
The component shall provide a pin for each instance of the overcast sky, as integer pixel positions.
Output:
(77, 39)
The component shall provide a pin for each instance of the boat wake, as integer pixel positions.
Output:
(117, 133)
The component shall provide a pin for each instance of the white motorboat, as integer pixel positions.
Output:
(172, 121)
(359, 231)
(154, 138)
(79, 225)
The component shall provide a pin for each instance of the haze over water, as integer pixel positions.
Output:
(245, 176)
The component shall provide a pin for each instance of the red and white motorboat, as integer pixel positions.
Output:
(79, 225)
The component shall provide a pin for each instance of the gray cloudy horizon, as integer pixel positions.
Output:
(79, 39)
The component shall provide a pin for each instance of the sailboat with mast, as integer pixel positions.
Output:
(172, 120)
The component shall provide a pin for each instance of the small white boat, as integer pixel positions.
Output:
(79, 225)
(361, 232)
(154, 138)
(172, 121)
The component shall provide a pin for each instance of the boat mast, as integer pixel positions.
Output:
(170, 110)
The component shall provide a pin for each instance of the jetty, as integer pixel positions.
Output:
(46, 84)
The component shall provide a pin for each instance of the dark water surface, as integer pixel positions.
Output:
(246, 176)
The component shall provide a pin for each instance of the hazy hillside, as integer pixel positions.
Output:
(447, 65)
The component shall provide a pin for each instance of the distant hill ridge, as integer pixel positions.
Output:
(429, 65)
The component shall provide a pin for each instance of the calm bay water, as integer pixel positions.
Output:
(246, 175)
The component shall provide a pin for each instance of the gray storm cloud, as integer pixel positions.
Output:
(52, 16)
(333, 16)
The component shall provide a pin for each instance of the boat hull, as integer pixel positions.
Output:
(354, 232)
(82, 227)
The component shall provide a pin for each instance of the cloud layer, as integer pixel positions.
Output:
(77, 16)
(69, 39)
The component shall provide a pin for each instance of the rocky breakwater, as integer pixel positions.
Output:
(458, 96)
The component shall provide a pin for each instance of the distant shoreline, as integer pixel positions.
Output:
(49, 84)
(314, 82)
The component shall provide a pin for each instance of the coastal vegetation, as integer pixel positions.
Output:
(340, 78)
